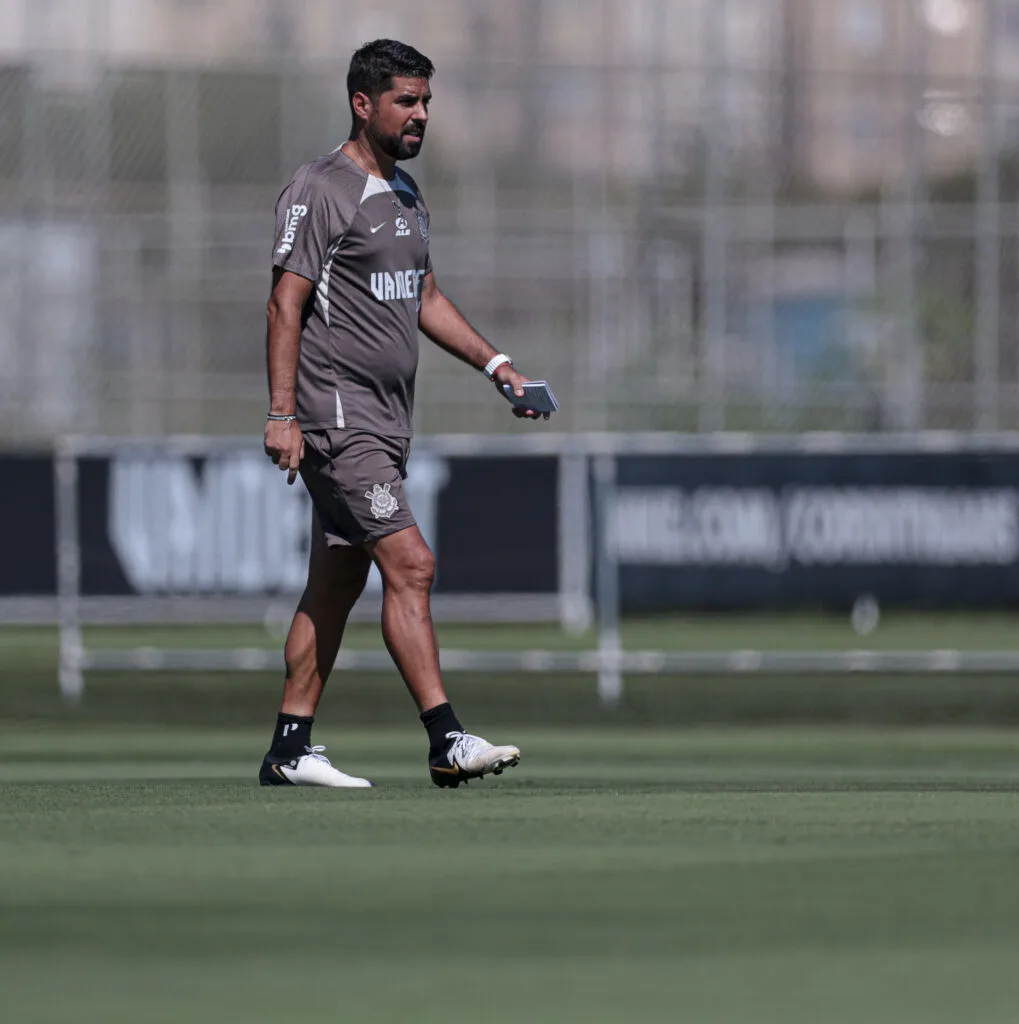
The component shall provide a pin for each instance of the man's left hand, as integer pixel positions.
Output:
(505, 374)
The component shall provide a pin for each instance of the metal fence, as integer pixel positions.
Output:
(687, 214)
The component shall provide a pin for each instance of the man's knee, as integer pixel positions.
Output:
(414, 570)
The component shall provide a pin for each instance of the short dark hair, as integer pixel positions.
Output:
(374, 66)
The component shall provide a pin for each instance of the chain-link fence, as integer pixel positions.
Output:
(686, 214)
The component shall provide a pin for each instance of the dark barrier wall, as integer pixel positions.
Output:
(769, 530)
(28, 564)
(691, 531)
(497, 529)
(228, 524)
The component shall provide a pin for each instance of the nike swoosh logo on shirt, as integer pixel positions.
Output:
(379, 228)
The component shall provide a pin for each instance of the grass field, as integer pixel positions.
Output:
(897, 630)
(616, 875)
(634, 867)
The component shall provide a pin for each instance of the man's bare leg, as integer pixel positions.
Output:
(408, 568)
(336, 577)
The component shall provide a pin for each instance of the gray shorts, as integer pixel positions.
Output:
(355, 480)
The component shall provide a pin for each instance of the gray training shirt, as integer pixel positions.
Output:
(364, 242)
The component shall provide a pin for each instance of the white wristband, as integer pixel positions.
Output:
(495, 362)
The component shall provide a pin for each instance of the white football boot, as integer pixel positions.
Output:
(310, 769)
(469, 757)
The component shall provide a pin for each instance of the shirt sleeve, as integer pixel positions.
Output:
(424, 224)
(303, 227)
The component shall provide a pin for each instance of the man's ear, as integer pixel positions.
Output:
(363, 106)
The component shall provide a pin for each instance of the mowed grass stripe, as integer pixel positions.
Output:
(880, 986)
(615, 875)
(569, 778)
(897, 630)
(930, 746)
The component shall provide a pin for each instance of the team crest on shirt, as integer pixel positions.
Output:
(383, 502)
(423, 225)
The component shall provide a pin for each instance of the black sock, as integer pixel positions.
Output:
(438, 721)
(291, 736)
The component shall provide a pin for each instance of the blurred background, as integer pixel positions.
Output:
(738, 214)
(764, 250)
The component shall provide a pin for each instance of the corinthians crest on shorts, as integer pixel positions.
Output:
(383, 502)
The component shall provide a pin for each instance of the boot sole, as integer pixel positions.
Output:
(445, 779)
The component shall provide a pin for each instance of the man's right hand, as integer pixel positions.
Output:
(284, 444)
(505, 374)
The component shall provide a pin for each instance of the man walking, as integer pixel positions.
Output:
(352, 285)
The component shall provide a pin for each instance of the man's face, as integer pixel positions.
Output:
(398, 119)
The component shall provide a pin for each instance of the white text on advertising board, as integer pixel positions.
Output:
(816, 526)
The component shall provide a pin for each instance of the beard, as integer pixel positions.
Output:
(401, 146)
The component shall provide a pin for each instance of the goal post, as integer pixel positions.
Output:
(68, 550)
